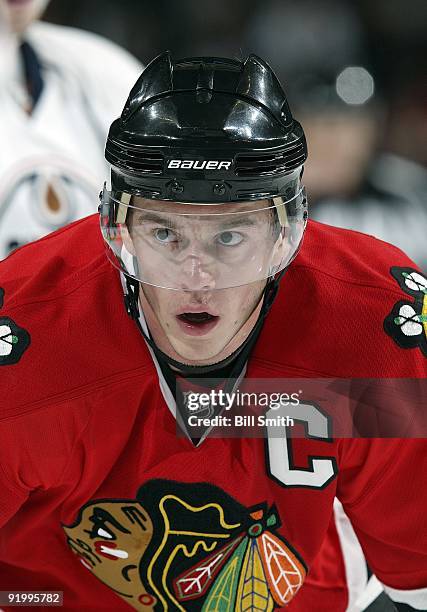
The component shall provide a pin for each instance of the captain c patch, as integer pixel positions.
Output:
(407, 322)
(14, 340)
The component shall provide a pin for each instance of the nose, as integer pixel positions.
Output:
(195, 275)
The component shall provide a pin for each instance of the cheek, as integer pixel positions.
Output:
(240, 306)
(161, 301)
(152, 297)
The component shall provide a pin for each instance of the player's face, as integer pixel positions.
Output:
(18, 14)
(200, 323)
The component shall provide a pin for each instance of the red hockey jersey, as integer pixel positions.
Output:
(99, 497)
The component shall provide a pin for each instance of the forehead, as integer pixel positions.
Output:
(180, 208)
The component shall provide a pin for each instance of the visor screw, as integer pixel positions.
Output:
(177, 187)
(219, 189)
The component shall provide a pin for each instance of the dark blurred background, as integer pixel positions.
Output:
(354, 72)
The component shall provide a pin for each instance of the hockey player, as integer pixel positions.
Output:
(56, 104)
(203, 221)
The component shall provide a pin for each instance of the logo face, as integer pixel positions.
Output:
(198, 164)
(187, 547)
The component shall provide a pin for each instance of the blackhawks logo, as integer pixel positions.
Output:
(189, 547)
(14, 340)
(407, 322)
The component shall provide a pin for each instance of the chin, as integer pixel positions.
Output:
(197, 354)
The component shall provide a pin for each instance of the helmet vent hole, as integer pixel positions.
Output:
(129, 158)
(270, 163)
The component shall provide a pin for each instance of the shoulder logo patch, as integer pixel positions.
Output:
(14, 340)
(407, 322)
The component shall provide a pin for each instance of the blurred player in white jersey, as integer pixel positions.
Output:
(56, 103)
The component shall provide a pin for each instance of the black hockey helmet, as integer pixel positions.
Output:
(198, 135)
(206, 129)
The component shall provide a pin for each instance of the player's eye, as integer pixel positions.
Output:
(230, 238)
(104, 534)
(165, 235)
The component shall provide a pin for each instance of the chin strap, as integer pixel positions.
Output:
(131, 297)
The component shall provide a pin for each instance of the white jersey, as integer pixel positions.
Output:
(52, 163)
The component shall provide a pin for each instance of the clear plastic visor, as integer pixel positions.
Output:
(201, 247)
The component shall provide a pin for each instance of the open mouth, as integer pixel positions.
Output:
(197, 323)
(196, 317)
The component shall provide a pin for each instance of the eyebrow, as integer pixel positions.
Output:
(242, 221)
(155, 218)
